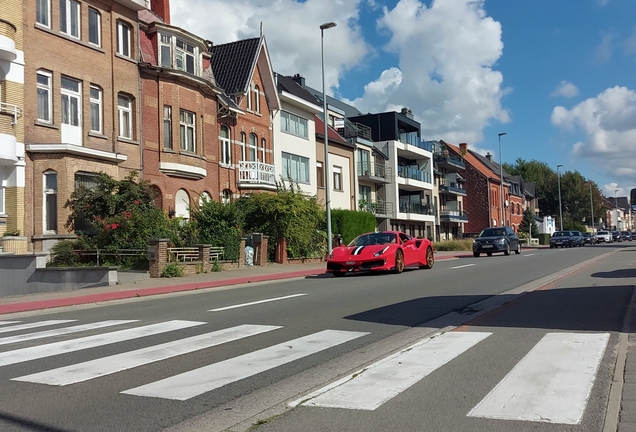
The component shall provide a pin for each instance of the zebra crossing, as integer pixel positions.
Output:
(552, 383)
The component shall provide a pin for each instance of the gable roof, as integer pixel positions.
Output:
(287, 84)
(472, 160)
(233, 64)
(334, 137)
(492, 166)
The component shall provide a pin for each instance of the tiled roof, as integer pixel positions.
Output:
(290, 86)
(493, 166)
(473, 161)
(233, 64)
(333, 135)
(148, 16)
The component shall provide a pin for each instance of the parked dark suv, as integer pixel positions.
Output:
(496, 239)
(563, 239)
(578, 238)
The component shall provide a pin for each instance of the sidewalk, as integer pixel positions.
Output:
(149, 287)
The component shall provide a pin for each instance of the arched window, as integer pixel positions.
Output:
(226, 197)
(226, 148)
(263, 150)
(252, 147)
(182, 204)
(255, 99)
(243, 139)
(156, 192)
(204, 197)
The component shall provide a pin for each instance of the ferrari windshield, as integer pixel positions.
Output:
(379, 238)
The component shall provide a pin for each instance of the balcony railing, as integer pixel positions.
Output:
(449, 161)
(12, 110)
(413, 172)
(374, 170)
(378, 208)
(417, 208)
(452, 187)
(453, 215)
(256, 173)
(411, 138)
(353, 130)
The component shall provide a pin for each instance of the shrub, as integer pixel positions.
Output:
(350, 224)
(216, 266)
(454, 245)
(172, 270)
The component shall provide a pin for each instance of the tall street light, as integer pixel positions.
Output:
(560, 209)
(501, 178)
(324, 27)
(616, 207)
(592, 208)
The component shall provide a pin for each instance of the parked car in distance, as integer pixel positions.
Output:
(633, 235)
(496, 239)
(604, 236)
(590, 238)
(626, 236)
(578, 239)
(616, 236)
(562, 239)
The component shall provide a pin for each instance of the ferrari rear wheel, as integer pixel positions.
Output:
(399, 261)
(430, 259)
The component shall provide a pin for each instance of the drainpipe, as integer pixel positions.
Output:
(139, 106)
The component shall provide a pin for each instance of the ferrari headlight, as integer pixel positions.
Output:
(381, 252)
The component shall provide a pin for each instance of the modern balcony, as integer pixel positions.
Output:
(7, 41)
(375, 172)
(453, 215)
(9, 115)
(413, 172)
(452, 163)
(256, 174)
(412, 139)
(379, 208)
(416, 208)
(452, 188)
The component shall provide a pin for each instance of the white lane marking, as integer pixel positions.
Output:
(255, 302)
(9, 322)
(198, 381)
(462, 266)
(116, 363)
(371, 387)
(551, 384)
(33, 325)
(528, 254)
(61, 331)
(63, 347)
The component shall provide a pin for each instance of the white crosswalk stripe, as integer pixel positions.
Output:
(202, 380)
(373, 386)
(551, 384)
(63, 347)
(61, 331)
(120, 362)
(33, 325)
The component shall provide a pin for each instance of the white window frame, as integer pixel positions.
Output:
(226, 147)
(97, 102)
(243, 144)
(2, 207)
(177, 50)
(187, 123)
(69, 95)
(263, 149)
(44, 14)
(252, 147)
(66, 14)
(291, 124)
(255, 99)
(167, 42)
(124, 46)
(125, 112)
(167, 127)
(45, 88)
(337, 179)
(293, 167)
(182, 53)
(98, 26)
(46, 192)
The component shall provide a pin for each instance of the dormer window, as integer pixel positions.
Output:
(178, 54)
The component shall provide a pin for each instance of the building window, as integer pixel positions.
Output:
(182, 204)
(167, 127)
(320, 175)
(50, 202)
(337, 178)
(226, 197)
(84, 180)
(124, 107)
(43, 12)
(166, 51)
(184, 57)
(295, 168)
(263, 147)
(186, 122)
(94, 27)
(252, 147)
(255, 99)
(96, 109)
(123, 39)
(44, 96)
(293, 124)
(226, 149)
(71, 101)
(243, 138)
(185, 54)
(70, 18)
(365, 197)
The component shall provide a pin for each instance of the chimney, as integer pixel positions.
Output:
(162, 9)
(489, 157)
(463, 148)
(299, 79)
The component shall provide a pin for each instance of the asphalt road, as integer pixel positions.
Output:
(309, 334)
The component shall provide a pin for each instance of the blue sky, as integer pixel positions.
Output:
(556, 75)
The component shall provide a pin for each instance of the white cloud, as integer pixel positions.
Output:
(602, 2)
(608, 122)
(630, 44)
(603, 52)
(291, 29)
(446, 57)
(565, 89)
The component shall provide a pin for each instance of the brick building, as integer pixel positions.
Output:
(81, 104)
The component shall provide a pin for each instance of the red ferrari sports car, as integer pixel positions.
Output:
(381, 251)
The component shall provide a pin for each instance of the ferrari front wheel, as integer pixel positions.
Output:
(399, 261)
(430, 259)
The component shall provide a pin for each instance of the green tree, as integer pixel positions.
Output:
(528, 225)
(218, 224)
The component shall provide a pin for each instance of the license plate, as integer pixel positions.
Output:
(487, 246)
(350, 262)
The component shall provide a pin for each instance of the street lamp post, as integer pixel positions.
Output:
(324, 27)
(501, 178)
(560, 209)
(616, 208)
(592, 208)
